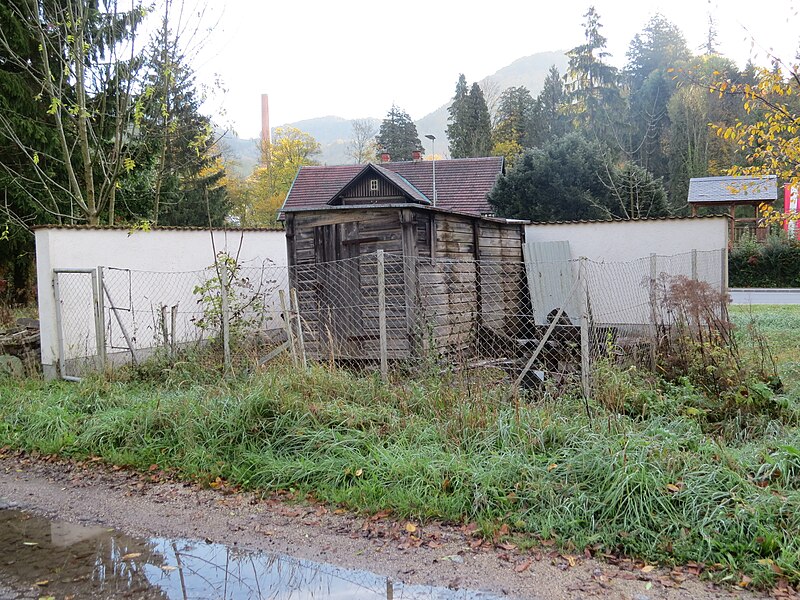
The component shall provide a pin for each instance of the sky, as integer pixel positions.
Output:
(354, 58)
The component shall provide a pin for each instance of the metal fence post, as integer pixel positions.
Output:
(585, 364)
(226, 341)
(101, 319)
(59, 327)
(382, 315)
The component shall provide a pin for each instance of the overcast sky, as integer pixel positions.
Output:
(354, 58)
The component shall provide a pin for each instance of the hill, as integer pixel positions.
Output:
(529, 71)
(333, 133)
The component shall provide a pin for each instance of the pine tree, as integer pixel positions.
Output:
(552, 100)
(181, 182)
(398, 135)
(469, 127)
(458, 121)
(651, 57)
(593, 85)
(480, 124)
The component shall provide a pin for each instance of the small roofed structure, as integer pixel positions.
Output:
(434, 293)
(731, 192)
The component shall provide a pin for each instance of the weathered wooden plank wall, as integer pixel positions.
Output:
(446, 276)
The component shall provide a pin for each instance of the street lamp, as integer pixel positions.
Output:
(432, 138)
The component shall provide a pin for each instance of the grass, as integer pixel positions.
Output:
(648, 475)
(781, 325)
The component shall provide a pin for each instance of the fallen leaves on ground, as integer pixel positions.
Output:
(523, 566)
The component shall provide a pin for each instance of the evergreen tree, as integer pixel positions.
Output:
(480, 123)
(552, 104)
(181, 181)
(469, 127)
(651, 57)
(558, 182)
(595, 101)
(516, 116)
(458, 121)
(398, 135)
(84, 69)
(25, 125)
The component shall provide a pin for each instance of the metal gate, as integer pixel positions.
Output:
(79, 322)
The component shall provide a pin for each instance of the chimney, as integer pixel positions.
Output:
(416, 155)
(385, 157)
(266, 135)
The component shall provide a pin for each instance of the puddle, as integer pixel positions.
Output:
(40, 558)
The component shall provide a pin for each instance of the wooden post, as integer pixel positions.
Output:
(476, 253)
(295, 307)
(382, 315)
(410, 278)
(723, 285)
(173, 324)
(287, 320)
(164, 330)
(585, 362)
(694, 264)
(226, 340)
(653, 313)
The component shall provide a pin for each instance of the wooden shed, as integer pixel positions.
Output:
(444, 275)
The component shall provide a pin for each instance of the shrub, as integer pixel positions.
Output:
(773, 264)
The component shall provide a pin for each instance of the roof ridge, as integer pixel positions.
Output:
(411, 185)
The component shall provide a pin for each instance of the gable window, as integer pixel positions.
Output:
(373, 185)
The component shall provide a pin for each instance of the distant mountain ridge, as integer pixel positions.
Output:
(333, 133)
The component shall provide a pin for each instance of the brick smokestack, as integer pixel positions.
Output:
(266, 136)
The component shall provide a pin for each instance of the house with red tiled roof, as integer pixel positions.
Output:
(462, 185)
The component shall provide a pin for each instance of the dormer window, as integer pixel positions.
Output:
(373, 185)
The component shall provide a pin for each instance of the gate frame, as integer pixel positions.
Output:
(99, 321)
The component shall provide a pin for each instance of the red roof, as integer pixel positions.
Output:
(462, 184)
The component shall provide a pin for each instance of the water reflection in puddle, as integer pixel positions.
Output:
(40, 558)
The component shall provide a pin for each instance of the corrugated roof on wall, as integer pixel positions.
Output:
(159, 228)
(644, 220)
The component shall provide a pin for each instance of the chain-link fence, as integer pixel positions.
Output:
(539, 322)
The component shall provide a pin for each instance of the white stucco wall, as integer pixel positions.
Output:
(619, 241)
(148, 269)
(620, 262)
